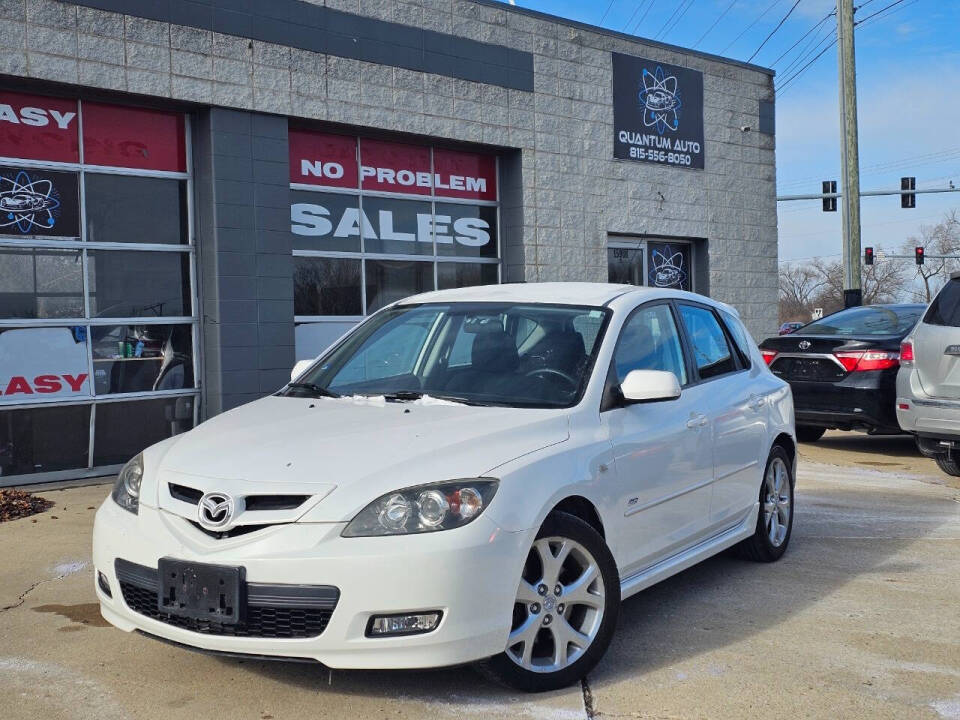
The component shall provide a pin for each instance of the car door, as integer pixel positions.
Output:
(936, 344)
(735, 409)
(662, 451)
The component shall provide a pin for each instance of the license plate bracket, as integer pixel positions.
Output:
(200, 591)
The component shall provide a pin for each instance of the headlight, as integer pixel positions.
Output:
(126, 492)
(424, 508)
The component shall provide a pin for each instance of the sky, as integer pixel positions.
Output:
(908, 94)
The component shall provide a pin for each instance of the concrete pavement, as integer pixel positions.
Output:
(859, 619)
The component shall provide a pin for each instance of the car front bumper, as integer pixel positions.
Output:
(469, 574)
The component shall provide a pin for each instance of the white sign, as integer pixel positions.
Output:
(817, 313)
(37, 363)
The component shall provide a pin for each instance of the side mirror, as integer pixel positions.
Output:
(649, 386)
(299, 368)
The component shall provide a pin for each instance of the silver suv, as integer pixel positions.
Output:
(928, 383)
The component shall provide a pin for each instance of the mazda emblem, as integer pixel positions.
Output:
(804, 344)
(215, 510)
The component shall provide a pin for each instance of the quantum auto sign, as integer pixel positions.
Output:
(657, 112)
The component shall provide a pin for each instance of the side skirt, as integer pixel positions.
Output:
(691, 556)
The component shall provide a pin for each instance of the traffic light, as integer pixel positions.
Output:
(908, 199)
(918, 255)
(829, 203)
(868, 256)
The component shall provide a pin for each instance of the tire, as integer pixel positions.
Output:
(588, 561)
(767, 544)
(810, 433)
(948, 464)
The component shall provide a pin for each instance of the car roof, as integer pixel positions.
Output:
(563, 293)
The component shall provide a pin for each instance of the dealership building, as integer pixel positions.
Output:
(194, 194)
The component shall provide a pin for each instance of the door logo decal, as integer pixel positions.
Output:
(28, 205)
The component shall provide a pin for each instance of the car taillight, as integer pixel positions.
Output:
(906, 353)
(865, 360)
(768, 355)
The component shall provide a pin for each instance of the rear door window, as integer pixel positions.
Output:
(711, 352)
(945, 308)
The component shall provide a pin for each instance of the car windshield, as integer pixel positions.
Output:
(504, 354)
(870, 320)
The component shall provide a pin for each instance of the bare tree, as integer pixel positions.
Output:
(799, 285)
(882, 282)
(940, 239)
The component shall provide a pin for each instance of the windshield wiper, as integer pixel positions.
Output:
(314, 388)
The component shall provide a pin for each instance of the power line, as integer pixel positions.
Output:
(643, 17)
(634, 14)
(804, 36)
(679, 18)
(672, 15)
(800, 72)
(772, 32)
(743, 32)
(715, 23)
(606, 12)
(860, 22)
(809, 49)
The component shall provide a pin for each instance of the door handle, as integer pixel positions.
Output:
(697, 421)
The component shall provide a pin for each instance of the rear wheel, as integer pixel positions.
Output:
(948, 464)
(775, 520)
(810, 433)
(565, 610)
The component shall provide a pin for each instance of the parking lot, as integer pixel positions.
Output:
(858, 620)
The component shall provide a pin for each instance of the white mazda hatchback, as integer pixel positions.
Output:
(478, 474)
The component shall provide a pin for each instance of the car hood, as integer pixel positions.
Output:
(345, 452)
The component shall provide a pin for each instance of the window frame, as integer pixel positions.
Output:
(688, 343)
(81, 244)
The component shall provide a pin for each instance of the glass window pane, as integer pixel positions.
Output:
(649, 341)
(127, 283)
(454, 275)
(668, 265)
(141, 358)
(466, 230)
(325, 221)
(125, 428)
(392, 280)
(403, 227)
(710, 350)
(625, 266)
(44, 439)
(41, 283)
(42, 363)
(118, 205)
(740, 336)
(326, 286)
(39, 203)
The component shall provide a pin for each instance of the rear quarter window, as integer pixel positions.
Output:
(945, 308)
(740, 336)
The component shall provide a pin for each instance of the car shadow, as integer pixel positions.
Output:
(713, 604)
(886, 446)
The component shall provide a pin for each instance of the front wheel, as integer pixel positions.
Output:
(565, 610)
(948, 464)
(775, 520)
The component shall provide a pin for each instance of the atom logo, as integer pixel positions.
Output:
(667, 269)
(660, 100)
(29, 205)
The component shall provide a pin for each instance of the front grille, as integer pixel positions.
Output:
(281, 611)
(235, 531)
(192, 496)
(809, 369)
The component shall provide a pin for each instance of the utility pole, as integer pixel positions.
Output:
(847, 75)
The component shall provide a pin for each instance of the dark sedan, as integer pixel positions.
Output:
(843, 368)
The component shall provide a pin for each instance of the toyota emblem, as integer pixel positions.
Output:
(804, 344)
(215, 510)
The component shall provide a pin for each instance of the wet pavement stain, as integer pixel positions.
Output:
(86, 614)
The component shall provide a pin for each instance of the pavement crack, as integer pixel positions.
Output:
(587, 699)
(23, 596)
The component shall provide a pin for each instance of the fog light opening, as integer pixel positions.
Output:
(403, 624)
(104, 584)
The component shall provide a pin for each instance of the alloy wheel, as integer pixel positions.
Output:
(559, 606)
(776, 505)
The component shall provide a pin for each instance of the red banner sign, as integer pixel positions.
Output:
(133, 138)
(38, 128)
(331, 161)
(34, 127)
